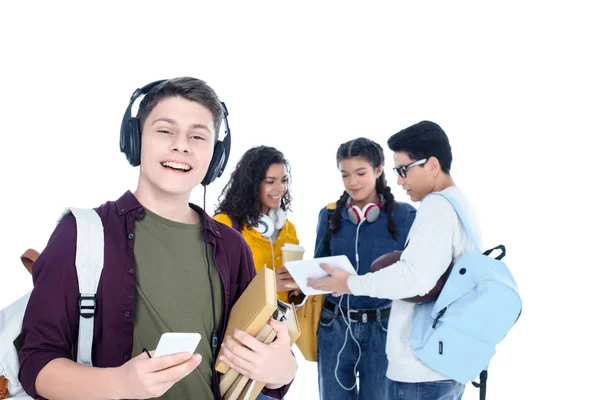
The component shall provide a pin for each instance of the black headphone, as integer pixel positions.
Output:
(131, 138)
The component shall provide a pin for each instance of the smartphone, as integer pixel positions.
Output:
(177, 342)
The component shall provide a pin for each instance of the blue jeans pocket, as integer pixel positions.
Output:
(327, 318)
(383, 324)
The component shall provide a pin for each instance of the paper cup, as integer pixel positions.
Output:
(291, 252)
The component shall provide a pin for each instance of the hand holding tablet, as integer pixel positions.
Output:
(302, 270)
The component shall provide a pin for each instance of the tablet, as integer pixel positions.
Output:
(301, 270)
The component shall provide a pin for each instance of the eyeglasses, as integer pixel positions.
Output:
(401, 169)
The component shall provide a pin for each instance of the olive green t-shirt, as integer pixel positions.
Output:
(173, 294)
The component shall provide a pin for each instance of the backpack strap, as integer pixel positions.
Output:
(482, 385)
(28, 258)
(330, 210)
(463, 219)
(89, 260)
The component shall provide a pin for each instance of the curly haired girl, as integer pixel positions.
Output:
(255, 202)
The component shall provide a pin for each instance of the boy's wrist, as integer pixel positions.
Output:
(293, 367)
(115, 383)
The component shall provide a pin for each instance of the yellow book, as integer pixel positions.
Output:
(253, 309)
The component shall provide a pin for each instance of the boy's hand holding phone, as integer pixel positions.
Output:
(174, 358)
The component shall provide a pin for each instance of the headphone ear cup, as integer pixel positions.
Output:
(278, 216)
(355, 214)
(371, 212)
(265, 226)
(136, 142)
(131, 141)
(131, 132)
(215, 168)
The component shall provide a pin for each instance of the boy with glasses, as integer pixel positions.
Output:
(423, 157)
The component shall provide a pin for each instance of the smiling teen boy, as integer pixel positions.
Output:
(155, 272)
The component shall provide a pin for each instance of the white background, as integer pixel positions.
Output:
(514, 84)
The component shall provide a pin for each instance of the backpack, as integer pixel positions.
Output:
(456, 335)
(89, 260)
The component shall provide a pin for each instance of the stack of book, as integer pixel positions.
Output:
(251, 314)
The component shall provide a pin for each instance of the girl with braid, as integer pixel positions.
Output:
(365, 223)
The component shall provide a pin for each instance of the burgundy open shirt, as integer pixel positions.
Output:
(51, 321)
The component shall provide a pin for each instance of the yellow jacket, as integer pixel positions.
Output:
(310, 314)
(261, 247)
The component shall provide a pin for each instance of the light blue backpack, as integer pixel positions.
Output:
(456, 335)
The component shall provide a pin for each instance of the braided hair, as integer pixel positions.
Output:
(373, 154)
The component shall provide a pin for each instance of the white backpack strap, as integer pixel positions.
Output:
(89, 261)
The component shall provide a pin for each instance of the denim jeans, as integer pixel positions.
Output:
(372, 381)
(436, 390)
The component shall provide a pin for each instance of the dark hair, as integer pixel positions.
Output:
(373, 154)
(190, 89)
(423, 140)
(240, 198)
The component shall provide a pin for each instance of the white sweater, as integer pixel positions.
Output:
(436, 239)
